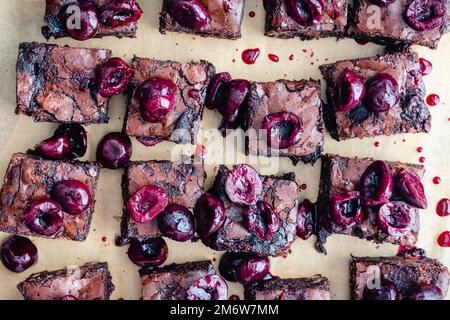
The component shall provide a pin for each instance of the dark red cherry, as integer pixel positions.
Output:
(305, 12)
(388, 291)
(18, 253)
(346, 208)
(114, 150)
(177, 223)
(284, 129)
(157, 100)
(55, 148)
(113, 77)
(44, 217)
(376, 184)
(209, 215)
(243, 185)
(396, 218)
(189, 13)
(261, 220)
(424, 15)
(253, 269)
(78, 139)
(151, 252)
(210, 287)
(213, 88)
(229, 263)
(306, 219)
(146, 203)
(120, 12)
(68, 298)
(382, 92)
(425, 292)
(350, 91)
(410, 188)
(81, 20)
(73, 196)
(382, 3)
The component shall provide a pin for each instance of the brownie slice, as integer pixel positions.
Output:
(313, 288)
(388, 26)
(89, 282)
(224, 19)
(302, 98)
(171, 282)
(281, 193)
(29, 178)
(341, 174)
(403, 272)
(280, 24)
(55, 27)
(409, 115)
(182, 124)
(182, 182)
(54, 83)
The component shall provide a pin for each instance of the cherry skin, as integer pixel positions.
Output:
(210, 287)
(88, 21)
(77, 139)
(376, 184)
(189, 13)
(284, 129)
(351, 90)
(73, 196)
(306, 219)
(346, 209)
(114, 150)
(18, 254)
(55, 148)
(305, 12)
(177, 223)
(45, 217)
(261, 220)
(113, 77)
(151, 252)
(408, 185)
(426, 292)
(396, 218)
(213, 88)
(157, 99)
(243, 185)
(146, 203)
(209, 215)
(120, 12)
(382, 92)
(424, 15)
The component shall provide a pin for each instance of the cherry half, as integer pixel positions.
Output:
(55, 148)
(209, 215)
(243, 185)
(177, 223)
(382, 92)
(284, 129)
(114, 150)
(261, 220)
(210, 287)
(306, 219)
(157, 100)
(120, 12)
(146, 203)
(424, 15)
(382, 3)
(376, 184)
(396, 218)
(411, 189)
(151, 252)
(305, 12)
(346, 208)
(189, 13)
(83, 23)
(73, 196)
(113, 77)
(18, 254)
(351, 90)
(77, 139)
(45, 217)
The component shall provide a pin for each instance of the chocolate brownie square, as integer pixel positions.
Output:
(182, 182)
(29, 178)
(55, 10)
(281, 193)
(274, 101)
(224, 19)
(408, 115)
(89, 282)
(390, 25)
(181, 124)
(53, 84)
(404, 275)
(340, 175)
(313, 288)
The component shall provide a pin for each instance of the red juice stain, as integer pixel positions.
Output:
(304, 50)
(234, 298)
(433, 99)
(444, 239)
(252, 14)
(214, 259)
(312, 63)
(303, 186)
(291, 57)
(376, 144)
(273, 57)
(104, 239)
(419, 149)
(311, 54)
(436, 180)
(425, 66)
(443, 207)
(250, 56)
(422, 159)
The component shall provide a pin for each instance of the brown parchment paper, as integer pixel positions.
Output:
(21, 21)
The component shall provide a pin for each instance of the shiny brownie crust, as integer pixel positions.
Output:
(182, 124)
(225, 19)
(54, 27)
(53, 83)
(89, 282)
(29, 178)
(299, 97)
(339, 174)
(281, 193)
(409, 115)
(313, 288)
(279, 24)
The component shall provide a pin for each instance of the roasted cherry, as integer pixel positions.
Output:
(189, 13)
(229, 263)
(210, 287)
(120, 12)
(284, 129)
(81, 24)
(146, 203)
(306, 219)
(351, 90)
(252, 269)
(113, 77)
(376, 184)
(346, 208)
(424, 15)
(410, 188)
(157, 100)
(261, 220)
(151, 252)
(18, 253)
(425, 292)
(73, 196)
(55, 148)
(114, 150)
(214, 87)
(382, 92)
(209, 215)
(382, 3)
(78, 139)
(44, 217)
(388, 291)
(396, 218)
(305, 12)
(243, 185)
(177, 223)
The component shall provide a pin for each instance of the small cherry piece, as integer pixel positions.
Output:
(424, 15)
(396, 218)
(210, 287)
(351, 90)
(81, 23)
(243, 185)
(45, 217)
(387, 291)
(209, 214)
(157, 99)
(214, 87)
(151, 252)
(382, 92)
(346, 208)
(146, 203)
(78, 139)
(376, 184)
(18, 254)
(114, 150)
(410, 188)
(177, 223)
(113, 77)
(55, 148)
(189, 13)
(120, 12)
(253, 269)
(305, 12)
(261, 220)
(306, 218)
(382, 3)
(426, 292)
(284, 129)
(73, 196)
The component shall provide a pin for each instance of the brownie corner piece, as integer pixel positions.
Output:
(224, 19)
(91, 281)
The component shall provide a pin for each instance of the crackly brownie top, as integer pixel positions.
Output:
(410, 114)
(28, 179)
(180, 125)
(89, 282)
(53, 83)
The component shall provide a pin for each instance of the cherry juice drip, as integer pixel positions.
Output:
(273, 57)
(433, 99)
(443, 207)
(250, 56)
(436, 180)
(425, 66)
(291, 57)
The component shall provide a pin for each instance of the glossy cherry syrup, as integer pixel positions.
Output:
(433, 100)
(425, 66)
(444, 239)
(443, 207)
(273, 57)
(250, 56)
